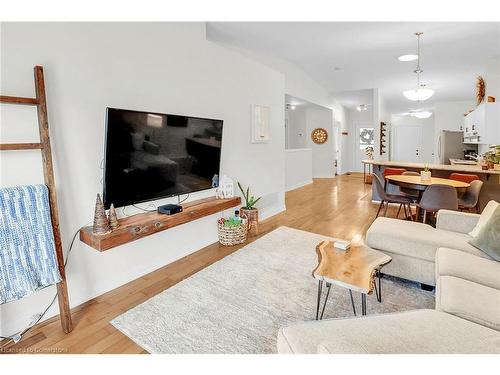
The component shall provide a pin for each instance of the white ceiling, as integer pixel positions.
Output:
(352, 98)
(453, 54)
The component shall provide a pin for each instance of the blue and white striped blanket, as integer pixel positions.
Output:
(27, 252)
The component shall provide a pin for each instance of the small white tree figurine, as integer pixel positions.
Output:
(226, 187)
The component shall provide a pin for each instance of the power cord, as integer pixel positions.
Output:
(37, 317)
(179, 201)
(145, 209)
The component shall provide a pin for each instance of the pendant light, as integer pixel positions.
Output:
(420, 93)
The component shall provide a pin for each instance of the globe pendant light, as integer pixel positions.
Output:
(420, 93)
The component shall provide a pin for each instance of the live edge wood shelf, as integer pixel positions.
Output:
(144, 224)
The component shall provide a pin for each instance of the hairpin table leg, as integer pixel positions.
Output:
(352, 302)
(329, 286)
(363, 304)
(320, 287)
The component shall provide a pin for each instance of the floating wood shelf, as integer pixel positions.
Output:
(144, 224)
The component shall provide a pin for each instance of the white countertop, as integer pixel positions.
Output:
(443, 167)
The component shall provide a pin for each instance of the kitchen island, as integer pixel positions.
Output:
(490, 178)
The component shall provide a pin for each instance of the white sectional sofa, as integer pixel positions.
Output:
(413, 246)
(466, 318)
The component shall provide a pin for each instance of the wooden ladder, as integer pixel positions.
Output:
(44, 145)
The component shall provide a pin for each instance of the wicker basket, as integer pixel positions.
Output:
(230, 236)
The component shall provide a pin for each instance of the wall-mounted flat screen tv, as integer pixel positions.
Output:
(154, 155)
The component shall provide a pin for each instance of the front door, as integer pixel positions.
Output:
(407, 144)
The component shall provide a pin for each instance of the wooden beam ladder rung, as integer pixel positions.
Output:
(48, 174)
(18, 100)
(21, 146)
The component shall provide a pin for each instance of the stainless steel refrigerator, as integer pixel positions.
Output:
(450, 146)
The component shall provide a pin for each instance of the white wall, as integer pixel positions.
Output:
(322, 154)
(339, 125)
(297, 129)
(448, 116)
(427, 126)
(160, 67)
(350, 149)
(297, 83)
(492, 78)
(298, 171)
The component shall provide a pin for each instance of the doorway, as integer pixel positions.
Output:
(407, 143)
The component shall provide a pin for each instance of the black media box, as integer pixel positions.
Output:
(169, 209)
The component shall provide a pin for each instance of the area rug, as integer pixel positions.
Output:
(238, 304)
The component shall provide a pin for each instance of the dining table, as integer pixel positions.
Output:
(419, 185)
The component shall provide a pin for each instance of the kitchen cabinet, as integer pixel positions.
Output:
(482, 126)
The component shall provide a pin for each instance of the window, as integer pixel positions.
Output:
(366, 137)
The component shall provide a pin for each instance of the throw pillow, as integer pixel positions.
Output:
(485, 216)
(488, 239)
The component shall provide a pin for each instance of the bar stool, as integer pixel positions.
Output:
(468, 178)
(385, 199)
(392, 172)
(438, 197)
(470, 200)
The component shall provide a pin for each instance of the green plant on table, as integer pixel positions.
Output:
(426, 167)
(493, 155)
(250, 200)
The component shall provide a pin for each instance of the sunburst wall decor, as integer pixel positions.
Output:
(480, 90)
(319, 136)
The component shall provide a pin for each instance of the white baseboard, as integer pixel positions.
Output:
(266, 214)
(299, 185)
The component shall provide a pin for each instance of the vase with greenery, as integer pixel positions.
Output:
(369, 152)
(249, 211)
(492, 157)
(425, 175)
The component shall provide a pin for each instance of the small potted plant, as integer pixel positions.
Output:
(425, 175)
(492, 157)
(249, 211)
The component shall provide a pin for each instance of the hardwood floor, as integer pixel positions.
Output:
(339, 207)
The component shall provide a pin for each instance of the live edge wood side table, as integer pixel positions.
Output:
(354, 269)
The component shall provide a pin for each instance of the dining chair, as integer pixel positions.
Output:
(438, 197)
(392, 172)
(410, 193)
(468, 178)
(470, 200)
(386, 198)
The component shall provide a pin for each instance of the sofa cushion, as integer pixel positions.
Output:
(418, 331)
(469, 300)
(488, 238)
(451, 262)
(415, 240)
(485, 216)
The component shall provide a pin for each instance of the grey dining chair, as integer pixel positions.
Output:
(410, 193)
(438, 197)
(385, 199)
(470, 200)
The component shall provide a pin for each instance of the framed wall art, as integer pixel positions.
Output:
(261, 116)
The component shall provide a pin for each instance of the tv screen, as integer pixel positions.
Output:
(153, 155)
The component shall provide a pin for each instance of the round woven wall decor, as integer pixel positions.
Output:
(480, 90)
(319, 136)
